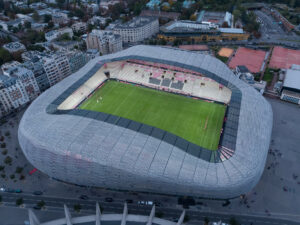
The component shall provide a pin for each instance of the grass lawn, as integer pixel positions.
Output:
(197, 121)
(268, 76)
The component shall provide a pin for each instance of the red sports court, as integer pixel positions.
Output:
(252, 59)
(283, 58)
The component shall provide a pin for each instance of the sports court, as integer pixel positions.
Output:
(225, 52)
(194, 47)
(283, 58)
(251, 58)
(197, 121)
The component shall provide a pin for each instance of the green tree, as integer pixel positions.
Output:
(19, 169)
(5, 56)
(159, 214)
(233, 221)
(206, 221)
(27, 25)
(186, 218)
(8, 160)
(36, 16)
(77, 207)
(19, 201)
(41, 204)
(60, 3)
(64, 37)
(1, 5)
(47, 18)
(50, 25)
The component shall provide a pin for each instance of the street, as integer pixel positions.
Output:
(88, 207)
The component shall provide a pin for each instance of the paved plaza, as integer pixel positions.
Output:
(277, 193)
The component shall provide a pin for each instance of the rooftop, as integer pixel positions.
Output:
(232, 30)
(292, 79)
(136, 22)
(14, 46)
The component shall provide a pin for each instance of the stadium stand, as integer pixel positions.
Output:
(153, 76)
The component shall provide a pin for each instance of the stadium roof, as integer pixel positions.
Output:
(78, 146)
(292, 79)
(232, 30)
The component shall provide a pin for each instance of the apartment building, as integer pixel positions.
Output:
(77, 59)
(138, 29)
(105, 42)
(14, 47)
(79, 27)
(56, 67)
(12, 94)
(53, 34)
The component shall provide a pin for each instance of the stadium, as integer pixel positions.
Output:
(151, 119)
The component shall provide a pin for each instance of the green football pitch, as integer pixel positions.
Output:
(197, 121)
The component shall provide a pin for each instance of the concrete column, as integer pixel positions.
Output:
(180, 221)
(151, 216)
(98, 214)
(33, 220)
(68, 215)
(125, 212)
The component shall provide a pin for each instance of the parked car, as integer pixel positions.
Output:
(18, 191)
(36, 207)
(84, 197)
(129, 201)
(109, 200)
(37, 193)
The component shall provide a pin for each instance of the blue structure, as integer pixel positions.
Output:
(187, 3)
(153, 4)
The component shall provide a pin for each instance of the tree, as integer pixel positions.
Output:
(237, 14)
(27, 25)
(90, 27)
(64, 37)
(19, 169)
(8, 160)
(41, 204)
(32, 37)
(233, 221)
(1, 5)
(159, 214)
(47, 18)
(50, 25)
(19, 201)
(206, 221)
(5, 56)
(36, 16)
(186, 218)
(60, 3)
(35, 48)
(77, 207)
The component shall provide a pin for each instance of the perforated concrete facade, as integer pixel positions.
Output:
(78, 146)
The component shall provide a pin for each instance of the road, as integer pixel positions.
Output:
(88, 206)
(273, 32)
